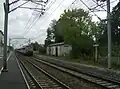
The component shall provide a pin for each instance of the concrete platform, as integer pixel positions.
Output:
(13, 79)
(1, 61)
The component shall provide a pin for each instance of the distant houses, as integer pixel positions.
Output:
(58, 49)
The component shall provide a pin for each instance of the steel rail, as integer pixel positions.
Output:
(87, 73)
(50, 76)
(59, 84)
(109, 84)
(30, 74)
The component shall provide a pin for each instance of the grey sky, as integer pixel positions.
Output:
(19, 18)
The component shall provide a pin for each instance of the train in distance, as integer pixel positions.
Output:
(26, 50)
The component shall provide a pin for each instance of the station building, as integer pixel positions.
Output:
(58, 49)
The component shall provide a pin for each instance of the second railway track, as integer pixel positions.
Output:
(42, 80)
(108, 84)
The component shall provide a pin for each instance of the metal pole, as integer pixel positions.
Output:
(6, 8)
(109, 33)
(96, 53)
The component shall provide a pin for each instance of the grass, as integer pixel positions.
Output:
(81, 61)
(88, 62)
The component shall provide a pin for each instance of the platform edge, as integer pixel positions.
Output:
(22, 73)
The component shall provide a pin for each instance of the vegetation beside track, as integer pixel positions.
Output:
(87, 61)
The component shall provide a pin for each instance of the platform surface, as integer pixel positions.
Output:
(12, 79)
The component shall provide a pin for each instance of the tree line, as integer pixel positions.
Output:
(75, 27)
(38, 47)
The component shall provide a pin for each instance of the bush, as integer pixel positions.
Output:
(42, 50)
(78, 51)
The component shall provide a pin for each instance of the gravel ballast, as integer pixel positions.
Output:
(105, 73)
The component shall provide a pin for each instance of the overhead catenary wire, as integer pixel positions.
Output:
(28, 22)
(93, 11)
(18, 6)
(93, 7)
(37, 18)
(90, 10)
(51, 14)
(32, 23)
(27, 27)
(99, 5)
(72, 3)
(13, 2)
(86, 6)
(103, 7)
(53, 11)
(50, 5)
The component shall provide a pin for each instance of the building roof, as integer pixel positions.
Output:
(56, 44)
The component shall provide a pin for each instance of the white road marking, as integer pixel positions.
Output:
(7, 60)
(22, 73)
(9, 56)
(1, 70)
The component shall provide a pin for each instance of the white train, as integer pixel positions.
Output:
(26, 50)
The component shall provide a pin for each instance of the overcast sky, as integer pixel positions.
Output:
(18, 19)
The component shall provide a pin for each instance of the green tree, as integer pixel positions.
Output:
(35, 46)
(115, 27)
(42, 49)
(102, 39)
(49, 38)
(115, 15)
(56, 31)
(53, 35)
(77, 27)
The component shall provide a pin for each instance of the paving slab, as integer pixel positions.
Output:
(12, 79)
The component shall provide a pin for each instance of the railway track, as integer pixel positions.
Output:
(40, 79)
(106, 83)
